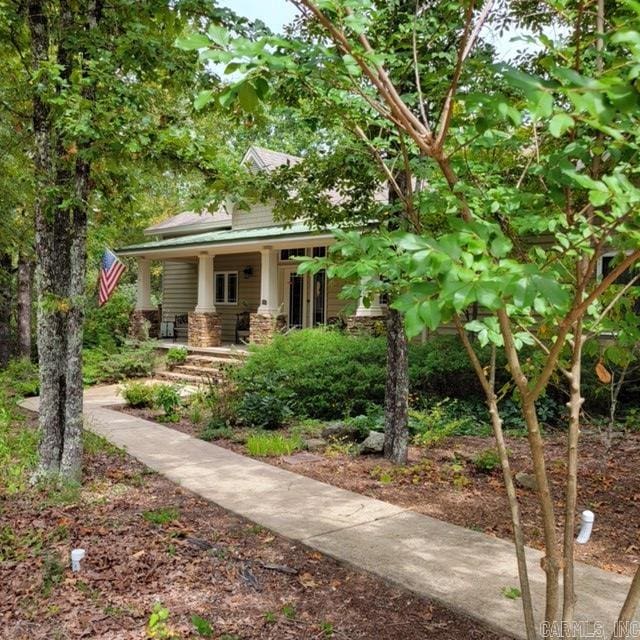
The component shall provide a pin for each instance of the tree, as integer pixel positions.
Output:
(99, 81)
(574, 114)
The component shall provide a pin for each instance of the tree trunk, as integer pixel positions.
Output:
(5, 309)
(24, 307)
(396, 427)
(571, 491)
(62, 191)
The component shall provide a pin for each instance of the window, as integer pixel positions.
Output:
(319, 252)
(287, 254)
(226, 287)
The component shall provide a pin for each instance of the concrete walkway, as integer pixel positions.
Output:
(462, 569)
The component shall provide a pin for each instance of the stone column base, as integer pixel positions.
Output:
(205, 329)
(262, 328)
(366, 325)
(144, 324)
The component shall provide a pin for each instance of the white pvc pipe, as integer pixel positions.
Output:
(587, 525)
(76, 556)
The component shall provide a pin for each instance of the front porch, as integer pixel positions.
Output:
(211, 300)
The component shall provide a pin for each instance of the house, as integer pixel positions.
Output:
(224, 268)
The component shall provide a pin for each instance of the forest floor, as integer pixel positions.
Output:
(207, 573)
(442, 481)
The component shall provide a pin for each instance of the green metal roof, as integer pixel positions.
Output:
(226, 236)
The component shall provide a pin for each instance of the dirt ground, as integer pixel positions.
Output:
(443, 482)
(148, 541)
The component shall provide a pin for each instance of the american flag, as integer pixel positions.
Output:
(110, 271)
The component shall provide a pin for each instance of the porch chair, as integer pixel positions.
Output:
(181, 327)
(243, 325)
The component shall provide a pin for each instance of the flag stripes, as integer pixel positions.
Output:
(110, 271)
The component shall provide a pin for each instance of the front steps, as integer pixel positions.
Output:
(204, 366)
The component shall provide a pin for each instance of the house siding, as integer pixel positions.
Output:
(179, 288)
(260, 215)
(248, 289)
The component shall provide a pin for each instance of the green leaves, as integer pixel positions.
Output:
(560, 124)
(193, 42)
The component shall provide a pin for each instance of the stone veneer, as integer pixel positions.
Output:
(144, 324)
(261, 328)
(205, 329)
(366, 325)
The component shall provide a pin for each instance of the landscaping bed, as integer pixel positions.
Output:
(152, 546)
(444, 481)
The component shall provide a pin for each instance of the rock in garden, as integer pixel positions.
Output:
(315, 444)
(374, 443)
(339, 431)
(526, 480)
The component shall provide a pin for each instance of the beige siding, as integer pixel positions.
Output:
(248, 290)
(335, 305)
(179, 288)
(260, 215)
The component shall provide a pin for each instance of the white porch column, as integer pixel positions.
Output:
(268, 282)
(143, 297)
(374, 309)
(205, 285)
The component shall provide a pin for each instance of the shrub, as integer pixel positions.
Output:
(215, 430)
(107, 327)
(266, 403)
(132, 360)
(167, 397)
(138, 394)
(326, 374)
(176, 356)
(434, 424)
(22, 376)
(272, 444)
(487, 461)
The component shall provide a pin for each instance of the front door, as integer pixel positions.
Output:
(294, 298)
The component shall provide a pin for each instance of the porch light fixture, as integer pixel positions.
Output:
(248, 272)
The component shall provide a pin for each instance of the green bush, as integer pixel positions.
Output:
(107, 327)
(131, 360)
(326, 374)
(138, 394)
(176, 356)
(22, 377)
(434, 424)
(266, 402)
(487, 461)
(167, 397)
(215, 430)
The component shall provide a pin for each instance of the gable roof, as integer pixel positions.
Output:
(192, 221)
(267, 159)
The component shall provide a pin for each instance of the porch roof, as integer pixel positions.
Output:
(231, 239)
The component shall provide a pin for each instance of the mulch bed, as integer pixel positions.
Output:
(246, 581)
(442, 482)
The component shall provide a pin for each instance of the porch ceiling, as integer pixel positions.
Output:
(228, 241)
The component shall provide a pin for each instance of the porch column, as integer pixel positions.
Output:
(367, 320)
(143, 298)
(205, 284)
(145, 319)
(205, 327)
(262, 324)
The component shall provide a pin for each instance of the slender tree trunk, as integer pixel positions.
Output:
(24, 307)
(396, 430)
(5, 308)
(622, 629)
(571, 492)
(551, 562)
(488, 386)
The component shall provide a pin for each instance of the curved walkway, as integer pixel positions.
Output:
(462, 569)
